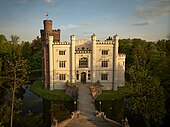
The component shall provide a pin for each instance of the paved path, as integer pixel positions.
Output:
(86, 103)
(87, 111)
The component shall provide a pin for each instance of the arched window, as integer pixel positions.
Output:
(83, 62)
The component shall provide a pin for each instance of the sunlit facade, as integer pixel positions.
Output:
(85, 61)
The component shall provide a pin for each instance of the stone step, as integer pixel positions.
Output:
(87, 110)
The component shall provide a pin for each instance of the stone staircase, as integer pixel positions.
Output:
(87, 110)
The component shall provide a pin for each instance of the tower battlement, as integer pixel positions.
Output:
(104, 42)
(45, 34)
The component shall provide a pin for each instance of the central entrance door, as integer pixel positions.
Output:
(83, 77)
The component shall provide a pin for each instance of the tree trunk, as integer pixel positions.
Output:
(12, 106)
(147, 123)
(13, 98)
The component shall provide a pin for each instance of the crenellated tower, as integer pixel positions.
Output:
(45, 33)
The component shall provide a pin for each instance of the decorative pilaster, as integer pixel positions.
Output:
(51, 62)
(115, 62)
(93, 67)
(72, 59)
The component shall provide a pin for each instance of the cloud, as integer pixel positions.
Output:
(49, 1)
(87, 24)
(72, 26)
(108, 17)
(26, 1)
(159, 1)
(143, 23)
(56, 9)
(31, 1)
(87, 33)
(75, 26)
(154, 8)
(153, 11)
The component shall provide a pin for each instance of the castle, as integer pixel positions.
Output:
(80, 60)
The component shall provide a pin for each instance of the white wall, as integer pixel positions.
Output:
(80, 70)
(59, 84)
(121, 70)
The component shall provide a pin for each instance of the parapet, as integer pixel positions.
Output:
(61, 43)
(47, 25)
(83, 51)
(104, 42)
(121, 55)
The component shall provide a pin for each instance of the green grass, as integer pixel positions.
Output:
(110, 95)
(59, 95)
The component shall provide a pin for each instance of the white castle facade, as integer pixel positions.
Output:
(86, 61)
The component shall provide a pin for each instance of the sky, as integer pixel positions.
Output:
(145, 19)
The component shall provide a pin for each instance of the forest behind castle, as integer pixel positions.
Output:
(147, 72)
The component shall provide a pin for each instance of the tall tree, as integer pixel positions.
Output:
(148, 96)
(18, 73)
(36, 45)
(3, 39)
(13, 74)
(26, 50)
(36, 61)
(36, 54)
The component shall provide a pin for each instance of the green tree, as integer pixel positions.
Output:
(26, 50)
(148, 96)
(3, 39)
(36, 54)
(13, 74)
(163, 72)
(36, 61)
(18, 73)
(29, 120)
(36, 45)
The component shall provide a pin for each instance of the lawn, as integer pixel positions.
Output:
(59, 95)
(110, 95)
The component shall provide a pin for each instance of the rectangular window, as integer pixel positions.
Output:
(77, 76)
(62, 64)
(104, 64)
(104, 76)
(104, 52)
(88, 75)
(62, 76)
(83, 62)
(61, 52)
